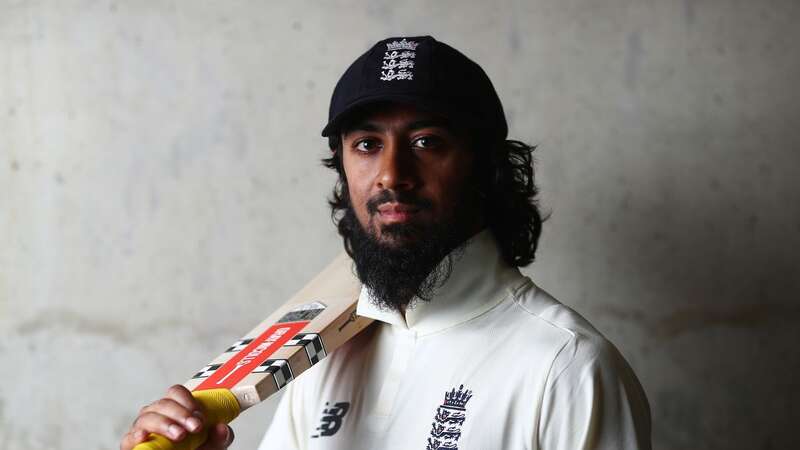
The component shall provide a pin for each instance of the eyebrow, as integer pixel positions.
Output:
(434, 122)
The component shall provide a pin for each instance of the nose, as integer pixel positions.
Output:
(397, 169)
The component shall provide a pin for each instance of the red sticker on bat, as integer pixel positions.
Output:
(251, 356)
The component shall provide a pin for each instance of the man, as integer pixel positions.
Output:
(438, 211)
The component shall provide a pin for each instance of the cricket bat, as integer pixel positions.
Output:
(314, 322)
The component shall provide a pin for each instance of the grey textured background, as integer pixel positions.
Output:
(160, 192)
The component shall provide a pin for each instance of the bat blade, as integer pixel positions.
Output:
(314, 322)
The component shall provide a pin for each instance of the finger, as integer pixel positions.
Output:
(153, 422)
(229, 436)
(183, 396)
(220, 437)
(132, 438)
(175, 411)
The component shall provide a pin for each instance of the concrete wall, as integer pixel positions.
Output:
(160, 192)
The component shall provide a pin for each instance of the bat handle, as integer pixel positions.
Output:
(219, 406)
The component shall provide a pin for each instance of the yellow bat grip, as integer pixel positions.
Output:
(219, 406)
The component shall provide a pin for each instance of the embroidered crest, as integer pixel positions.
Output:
(398, 60)
(450, 416)
(402, 45)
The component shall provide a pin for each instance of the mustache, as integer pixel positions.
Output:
(406, 198)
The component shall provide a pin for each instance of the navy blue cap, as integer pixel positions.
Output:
(425, 73)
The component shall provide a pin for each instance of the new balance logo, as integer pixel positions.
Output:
(331, 420)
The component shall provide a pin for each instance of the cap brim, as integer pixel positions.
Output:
(427, 104)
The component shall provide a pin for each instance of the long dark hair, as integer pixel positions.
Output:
(507, 186)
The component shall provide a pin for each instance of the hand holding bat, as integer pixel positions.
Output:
(315, 321)
(176, 416)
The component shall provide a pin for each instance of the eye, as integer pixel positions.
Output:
(366, 145)
(426, 142)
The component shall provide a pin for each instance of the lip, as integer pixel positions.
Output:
(396, 212)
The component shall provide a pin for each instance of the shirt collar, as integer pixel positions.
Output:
(480, 279)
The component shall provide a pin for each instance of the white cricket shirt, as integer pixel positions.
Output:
(492, 362)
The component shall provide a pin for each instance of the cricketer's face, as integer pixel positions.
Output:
(408, 170)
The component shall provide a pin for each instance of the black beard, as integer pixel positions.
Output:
(413, 269)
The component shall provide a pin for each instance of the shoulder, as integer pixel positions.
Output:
(591, 397)
(581, 347)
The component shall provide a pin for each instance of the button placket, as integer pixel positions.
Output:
(385, 404)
